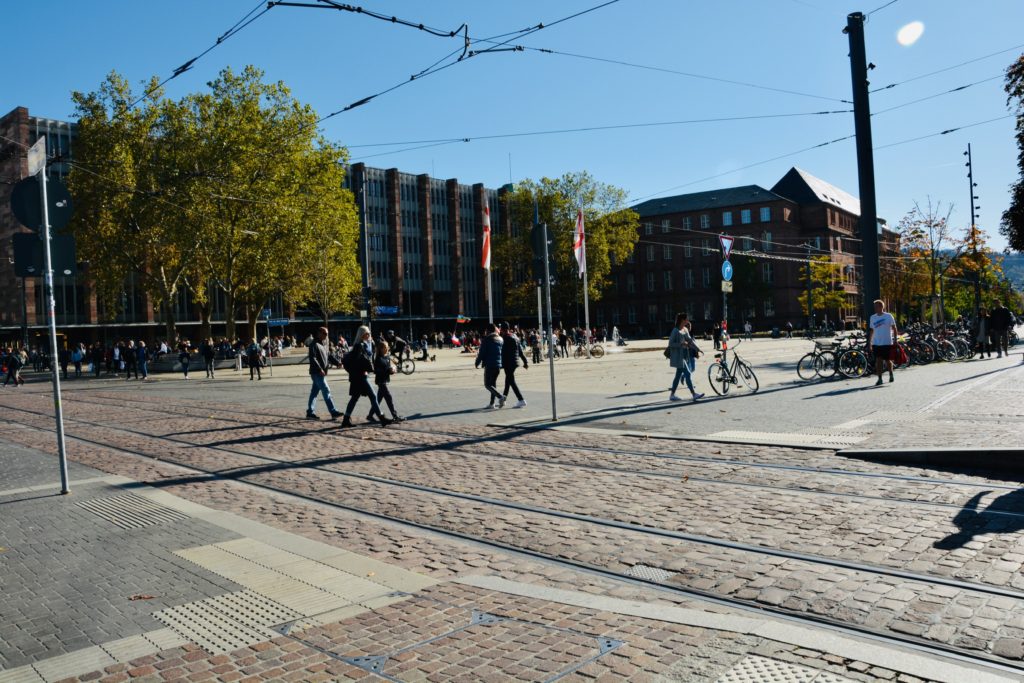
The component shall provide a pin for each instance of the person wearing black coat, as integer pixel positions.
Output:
(511, 355)
(383, 368)
(489, 356)
(1001, 320)
(358, 363)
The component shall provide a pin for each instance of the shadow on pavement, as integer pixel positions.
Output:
(971, 523)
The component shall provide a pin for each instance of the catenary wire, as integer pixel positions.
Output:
(932, 97)
(948, 68)
(879, 9)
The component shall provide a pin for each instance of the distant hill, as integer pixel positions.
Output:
(1013, 266)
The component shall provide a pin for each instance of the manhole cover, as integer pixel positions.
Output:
(755, 669)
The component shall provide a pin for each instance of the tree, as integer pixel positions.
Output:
(905, 279)
(930, 235)
(827, 291)
(1012, 225)
(612, 231)
(128, 222)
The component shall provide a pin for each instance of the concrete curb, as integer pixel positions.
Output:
(1007, 459)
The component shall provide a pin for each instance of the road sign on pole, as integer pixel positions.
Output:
(726, 287)
(726, 271)
(727, 242)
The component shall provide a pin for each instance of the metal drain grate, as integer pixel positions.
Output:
(129, 511)
(227, 622)
(647, 573)
(755, 669)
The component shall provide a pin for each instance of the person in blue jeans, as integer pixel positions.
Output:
(318, 366)
(142, 359)
(682, 355)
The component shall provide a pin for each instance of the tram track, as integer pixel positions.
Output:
(877, 635)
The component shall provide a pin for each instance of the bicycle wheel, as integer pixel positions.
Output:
(407, 366)
(946, 350)
(825, 364)
(596, 350)
(963, 349)
(853, 363)
(806, 367)
(718, 378)
(578, 353)
(747, 376)
(923, 353)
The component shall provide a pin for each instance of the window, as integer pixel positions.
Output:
(648, 228)
(766, 214)
(666, 226)
(745, 216)
(768, 272)
(652, 313)
(688, 278)
(630, 283)
(708, 312)
(787, 214)
(817, 244)
(726, 218)
(669, 314)
(766, 241)
(600, 316)
(688, 223)
(705, 221)
(631, 315)
(615, 316)
(668, 280)
(706, 247)
(650, 253)
(666, 252)
(631, 258)
(705, 277)
(769, 307)
(839, 244)
(650, 282)
(687, 250)
(747, 244)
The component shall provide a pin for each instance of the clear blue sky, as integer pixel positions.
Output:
(332, 58)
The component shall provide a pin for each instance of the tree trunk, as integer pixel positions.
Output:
(205, 309)
(229, 317)
(251, 318)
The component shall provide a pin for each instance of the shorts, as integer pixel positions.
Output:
(884, 352)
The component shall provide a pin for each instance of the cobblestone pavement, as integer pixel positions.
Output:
(926, 554)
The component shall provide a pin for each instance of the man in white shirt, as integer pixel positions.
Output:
(882, 339)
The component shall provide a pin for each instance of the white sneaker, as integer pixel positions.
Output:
(673, 397)
(520, 404)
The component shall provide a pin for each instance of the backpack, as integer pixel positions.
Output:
(350, 361)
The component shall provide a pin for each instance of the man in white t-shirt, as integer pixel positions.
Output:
(882, 339)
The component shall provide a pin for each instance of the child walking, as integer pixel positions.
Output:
(382, 371)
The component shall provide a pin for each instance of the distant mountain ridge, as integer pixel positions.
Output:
(1013, 267)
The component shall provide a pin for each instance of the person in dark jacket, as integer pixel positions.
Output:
(1001, 321)
(511, 355)
(489, 356)
(183, 358)
(383, 368)
(359, 362)
(209, 352)
(318, 366)
(252, 353)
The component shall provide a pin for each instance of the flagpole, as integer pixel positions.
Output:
(490, 302)
(586, 307)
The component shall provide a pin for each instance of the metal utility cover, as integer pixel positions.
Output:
(756, 669)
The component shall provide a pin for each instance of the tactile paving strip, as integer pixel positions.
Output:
(129, 511)
(755, 669)
(227, 622)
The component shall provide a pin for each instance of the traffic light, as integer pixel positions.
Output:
(537, 242)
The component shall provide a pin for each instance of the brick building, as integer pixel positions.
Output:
(677, 263)
(424, 249)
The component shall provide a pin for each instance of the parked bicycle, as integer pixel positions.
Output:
(596, 350)
(721, 375)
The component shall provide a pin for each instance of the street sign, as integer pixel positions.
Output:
(726, 287)
(37, 156)
(386, 310)
(726, 245)
(26, 205)
(266, 313)
(278, 322)
(726, 271)
(29, 260)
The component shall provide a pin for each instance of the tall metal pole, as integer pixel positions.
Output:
(52, 308)
(810, 294)
(366, 252)
(24, 316)
(551, 329)
(974, 235)
(872, 288)
(490, 300)
(270, 342)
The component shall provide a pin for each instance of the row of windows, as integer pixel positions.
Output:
(707, 247)
(667, 278)
(667, 313)
(704, 220)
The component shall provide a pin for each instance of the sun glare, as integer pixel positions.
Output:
(909, 34)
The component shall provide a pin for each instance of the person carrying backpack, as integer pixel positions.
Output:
(253, 354)
(358, 363)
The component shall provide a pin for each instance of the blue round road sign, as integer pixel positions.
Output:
(726, 271)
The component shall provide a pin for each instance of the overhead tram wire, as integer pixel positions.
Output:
(948, 68)
(239, 26)
(947, 131)
(932, 97)
(879, 9)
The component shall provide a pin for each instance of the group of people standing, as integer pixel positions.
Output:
(993, 329)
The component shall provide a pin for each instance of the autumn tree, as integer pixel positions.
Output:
(827, 290)
(1012, 225)
(933, 240)
(612, 230)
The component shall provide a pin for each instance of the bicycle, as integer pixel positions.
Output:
(406, 366)
(721, 375)
(596, 350)
(821, 362)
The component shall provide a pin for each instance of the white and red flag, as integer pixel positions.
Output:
(485, 251)
(579, 244)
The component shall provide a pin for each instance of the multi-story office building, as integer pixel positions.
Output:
(676, 266)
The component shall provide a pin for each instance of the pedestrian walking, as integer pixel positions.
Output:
(489, 356)
(183, 359)
(383, 368)
(1001, 320)
(789, 330)
(358, 363)
(682, 353)
(511, 355)
(882, 336)
(14, 363)
(253, 353)
(716, 334)
(142, 359)
(131, 361)
(748, 330)
(76, 359)
(982, 333)
(319, 353)
(97, 358)
(209, 357)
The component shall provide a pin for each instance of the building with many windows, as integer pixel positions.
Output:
(677, 265)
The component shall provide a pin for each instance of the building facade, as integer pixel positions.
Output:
(677, 264)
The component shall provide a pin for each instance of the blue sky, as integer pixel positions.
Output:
(331, 59)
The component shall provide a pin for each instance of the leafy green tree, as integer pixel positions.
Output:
(129, 221)
(1012, 225)
(612, 231)
(827, 291)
